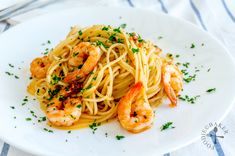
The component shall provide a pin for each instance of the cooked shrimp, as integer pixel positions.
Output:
(64, 113)
(83, 51)
(134, 114)
(39, 66)
(172, 82)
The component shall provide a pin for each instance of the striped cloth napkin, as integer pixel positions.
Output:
(216, 17)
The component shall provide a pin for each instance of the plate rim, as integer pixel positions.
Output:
(76, 9)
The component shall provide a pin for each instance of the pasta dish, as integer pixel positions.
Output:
(99, 73)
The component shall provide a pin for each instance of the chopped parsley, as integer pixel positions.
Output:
(167, 125)
(120, 40)
(117, 30)
(160, 37)
(186, 65)
(94, 126)
(80, 32)
(79, 106)
(132, 34)
(79, 67)
(10, 65)
(55, 79)
(49, 42)
(135, 50)
(99, 43)
(47, 130)
(69, 132)
(123, 26)
(188, 99)
(33, 114)
(42, 119)
(25, 100)
(89, 87)
(46, 51)
(12, 107)
(28, 119)
(105, 28)
(17, 77)
(177, 56)
(61, 98)
(112, 37)
(190, 78)
(211, 90)
(52, 93)
(119, 137)
(184, 71)
(140, 39)
(169, 55)
(208, 70)
(192, 46)
(8, 73)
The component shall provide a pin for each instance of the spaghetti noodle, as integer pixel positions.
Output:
(123, 59)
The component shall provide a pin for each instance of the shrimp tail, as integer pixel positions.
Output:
(172, 96)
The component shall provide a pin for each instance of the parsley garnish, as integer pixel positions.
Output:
(188, 99)
(123, 26)
(135, 50)
(99, 43)
(52, 93)
(169, 55)
(105, 28)
(48, 130)
(119, 137)
(55, 79)
(49, 42)
(211, 90)
(112, 37)
(192, 46)
(140, 39)
(117, 30)
(160, 37)
(8, 73)
(10, 65)
(28, 119)
(167, 126)
(94, 126)
(186, 65)
(79, 106)
(80, 32)
(12, 107)
(42, 119)
(190, 78)
(120, 40)
(32, 112)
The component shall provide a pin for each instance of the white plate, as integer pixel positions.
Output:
(23, 43)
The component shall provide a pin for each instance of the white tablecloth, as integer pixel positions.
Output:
(215, 16)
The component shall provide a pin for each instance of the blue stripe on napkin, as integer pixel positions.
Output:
(5, 149)
(130, 3)
(164, 9)
(216, 143)
(197, 14)
(228, 11)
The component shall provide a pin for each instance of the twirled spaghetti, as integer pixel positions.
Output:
(125, 58)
